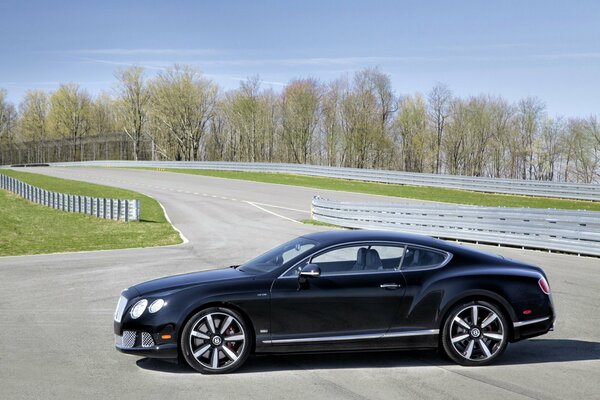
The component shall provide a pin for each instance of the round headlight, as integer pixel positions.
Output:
(156, 306)
(138, 309)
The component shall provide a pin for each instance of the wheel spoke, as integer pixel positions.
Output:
(494, 336)
(215, 358)
(232, 356)
(459, 338)
(461, 322)
(484, 348)
(474, 315)
(199, 335)
(211, 323)
(489, 319)
(226, 324)
(201, 351)
(233, 338)
(469, 349)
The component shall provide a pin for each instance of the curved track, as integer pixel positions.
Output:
(56, 313)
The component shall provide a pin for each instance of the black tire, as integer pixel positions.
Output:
(203, 335)
(471, 343)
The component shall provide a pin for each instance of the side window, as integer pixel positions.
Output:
(390, 256)
(418, 258)
(356, 259)
(342, 260)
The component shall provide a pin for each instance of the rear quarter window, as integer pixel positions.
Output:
(419, 258)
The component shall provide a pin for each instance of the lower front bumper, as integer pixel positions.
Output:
(168, 350)
(143, 344)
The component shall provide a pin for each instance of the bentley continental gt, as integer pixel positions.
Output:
(339, 291)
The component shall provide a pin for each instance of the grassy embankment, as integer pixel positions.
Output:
(404, 191)
(29, 228)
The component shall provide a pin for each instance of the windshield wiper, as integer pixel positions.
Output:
(234, 266)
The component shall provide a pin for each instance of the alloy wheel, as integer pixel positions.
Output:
(217, 341)
(477, 333)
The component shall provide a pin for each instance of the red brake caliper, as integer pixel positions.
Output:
(230, 332)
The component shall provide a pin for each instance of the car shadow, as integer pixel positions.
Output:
(536, 351)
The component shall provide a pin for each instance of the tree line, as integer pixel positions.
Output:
(354, 121)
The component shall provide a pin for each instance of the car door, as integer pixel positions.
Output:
(356, 296)
(420, 302)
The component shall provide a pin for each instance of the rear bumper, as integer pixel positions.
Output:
(534, 327)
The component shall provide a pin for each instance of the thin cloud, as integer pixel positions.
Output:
(342, 62)
(145, 51)
(145, 64)
(567, 56)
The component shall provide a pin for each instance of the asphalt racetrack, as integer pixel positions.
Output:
(56, 313)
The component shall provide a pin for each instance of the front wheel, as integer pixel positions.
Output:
(215, 341)
(475, 333)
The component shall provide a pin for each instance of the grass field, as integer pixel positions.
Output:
(412, 192)
(29, 228)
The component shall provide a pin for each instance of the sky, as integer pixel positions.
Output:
(516, 49)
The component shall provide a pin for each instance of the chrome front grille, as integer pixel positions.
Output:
(130, 338)
(147, 340)
(126, 341)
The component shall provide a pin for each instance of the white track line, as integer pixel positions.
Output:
(283, 208)
(271, 212)
(181, 235)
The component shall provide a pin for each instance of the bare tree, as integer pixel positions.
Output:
(133, 104)
(8, 121)
(70, 114)
(439, 99)
(411, 124)
(183, 104)
(300, 117)
(34, 120)
(531, 111)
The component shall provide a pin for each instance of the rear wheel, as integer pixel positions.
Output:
(475, 333)
(215, 341)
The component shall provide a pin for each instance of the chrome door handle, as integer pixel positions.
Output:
(390, 286)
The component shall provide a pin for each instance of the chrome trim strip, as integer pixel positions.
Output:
(412, 333)
(531, 321)
(354, 337)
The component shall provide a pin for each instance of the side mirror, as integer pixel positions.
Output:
(310, 271)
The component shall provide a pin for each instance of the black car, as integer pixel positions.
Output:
(339, 291)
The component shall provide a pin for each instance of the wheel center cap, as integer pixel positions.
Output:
(216, 340)
(475, 332)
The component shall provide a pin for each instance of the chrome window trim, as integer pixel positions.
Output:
(529, 322)
(365, 336)
(440, 265)
(372, 243)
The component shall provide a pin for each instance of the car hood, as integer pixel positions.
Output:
(185, 280)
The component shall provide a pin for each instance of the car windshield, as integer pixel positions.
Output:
(278, 256)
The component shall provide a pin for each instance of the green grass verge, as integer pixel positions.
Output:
(29, 228)
(405, 191)
(318, 223)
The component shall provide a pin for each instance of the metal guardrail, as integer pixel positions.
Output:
(115, 209)
(578, 191)
(569, 231)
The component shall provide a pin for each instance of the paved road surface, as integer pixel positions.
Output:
(56, 313)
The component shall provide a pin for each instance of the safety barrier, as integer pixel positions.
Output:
(569, 231)
(479, 184)
(115, 209)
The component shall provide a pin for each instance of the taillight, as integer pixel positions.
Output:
(544, 285)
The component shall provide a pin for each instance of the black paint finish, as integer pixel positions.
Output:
(345, 311)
